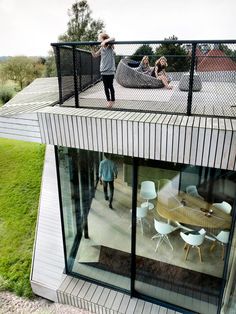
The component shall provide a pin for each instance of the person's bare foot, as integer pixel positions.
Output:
(169, 87)
(110, 104)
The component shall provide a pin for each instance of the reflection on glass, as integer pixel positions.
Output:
(183, 221)
(100, 209)
(68, 201)
(230, 288)
(180, 254)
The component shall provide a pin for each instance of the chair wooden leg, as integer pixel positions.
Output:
(199, 253)
(223, 252)
(185, 246)
(187, 251)
(213, 246)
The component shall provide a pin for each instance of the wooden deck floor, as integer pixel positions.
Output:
(98, 299)
(215, 99)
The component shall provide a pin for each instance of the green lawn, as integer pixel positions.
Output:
(20, 178)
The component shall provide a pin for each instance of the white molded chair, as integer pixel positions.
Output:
(192, 191)
(141, 214)
(222, 238)
(193, 240)
(224, 206)
(148, 192)
(163, 229)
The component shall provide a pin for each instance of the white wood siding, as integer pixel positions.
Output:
(190, 140)
(23, 127)
(18, 118)
(48, 259)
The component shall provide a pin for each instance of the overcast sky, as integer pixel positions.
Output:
(27, 27)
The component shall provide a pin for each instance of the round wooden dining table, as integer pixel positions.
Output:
(193, 211)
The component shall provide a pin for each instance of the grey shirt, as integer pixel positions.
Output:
(107, 64)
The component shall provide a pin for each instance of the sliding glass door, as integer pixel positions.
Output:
(177, 249)
(96, 216)
(183, 233)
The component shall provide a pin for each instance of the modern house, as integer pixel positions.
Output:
(168, 244)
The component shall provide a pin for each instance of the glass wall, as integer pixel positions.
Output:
(96, 215)
(68, 200)
(183, 218)
(229, 299)
(187, 213)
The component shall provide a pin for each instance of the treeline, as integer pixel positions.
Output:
(177, 55)
(22, 70)
(19, 71)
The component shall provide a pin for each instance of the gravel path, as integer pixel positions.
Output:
(10, 303)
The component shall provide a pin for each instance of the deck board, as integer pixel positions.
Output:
(48, 263)
(215, 98)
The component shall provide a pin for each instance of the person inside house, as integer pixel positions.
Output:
(144, 66)
(159, 71)
(107, 66)
(107, 174)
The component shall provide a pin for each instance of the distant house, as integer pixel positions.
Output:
(199, 56)
(216, 60)
(169, 241)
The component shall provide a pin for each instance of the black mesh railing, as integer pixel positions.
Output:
(64, 61)
(77, 70)
(201, 75)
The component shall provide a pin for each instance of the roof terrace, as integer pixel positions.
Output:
(202, 75)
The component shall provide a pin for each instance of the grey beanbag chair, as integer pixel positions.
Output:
(130, 77)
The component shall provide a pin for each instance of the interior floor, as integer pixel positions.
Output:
(111, 228)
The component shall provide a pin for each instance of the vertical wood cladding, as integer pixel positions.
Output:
(190, 140)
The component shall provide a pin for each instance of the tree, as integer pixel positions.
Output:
(228, 51)
(50, 65)
(144, 50)
(22, 70)
(177, 55)
(82, 27)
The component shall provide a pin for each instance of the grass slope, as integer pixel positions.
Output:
(20, 179)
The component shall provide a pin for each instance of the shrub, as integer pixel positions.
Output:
(6, 93)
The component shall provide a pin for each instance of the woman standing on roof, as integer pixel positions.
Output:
(107, 66)
(159, 71)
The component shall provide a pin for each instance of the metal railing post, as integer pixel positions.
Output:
(91, 68)
(80, 63)
(75, 79)
(58, 58)
(191, 75)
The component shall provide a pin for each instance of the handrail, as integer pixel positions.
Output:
(147, 42)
